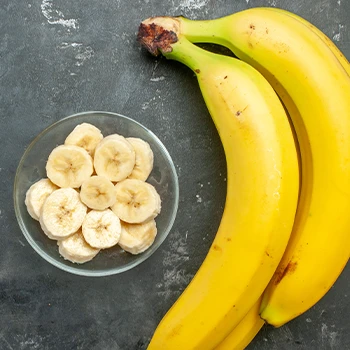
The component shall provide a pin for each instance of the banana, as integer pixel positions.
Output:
(136, 238)
(98, 193)
(114, 158)
(69, 166)
(137, 201)
(75, 249)
(101, 229)
(261, 199)
(143, 159)
(62, 213)
(314, 84)
(36, 196)
(85, 135)
(245, 331)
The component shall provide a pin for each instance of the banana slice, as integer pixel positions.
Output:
(62, 213)
(136, 238)
(69, 166)
(143, 159)
(76, 249)
(98, 193)
(85, 135)
(36, 196)
(114, 158)
(101, 229)
(137, 201)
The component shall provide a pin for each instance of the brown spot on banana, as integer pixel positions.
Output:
(217, 248)
(289, 269)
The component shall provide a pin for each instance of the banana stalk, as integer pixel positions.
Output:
(262, 193)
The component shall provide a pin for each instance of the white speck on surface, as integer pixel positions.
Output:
(21, 243)
(157, 78)
(191, 7)
(73, 74)
(332, 338)
(272, 3)
(66, 45)
(83, 55)
(145, 105)
(29, 5)
(174, 277)
(308, 320)
(339, 2)
(55, 16)
(337, 36)
(199, 198)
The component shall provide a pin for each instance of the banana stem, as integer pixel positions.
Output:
(199, 31)
(173, 45)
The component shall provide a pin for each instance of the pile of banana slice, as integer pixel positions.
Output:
(96, 196)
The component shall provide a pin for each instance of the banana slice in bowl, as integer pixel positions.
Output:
(36, 196)
(136, 238)
(114, 158)
(76, 249)
(85, 135)
(137, 201)
(101, 229)
(62, 213)
(98, 193)
(69, 166)
(143, 159)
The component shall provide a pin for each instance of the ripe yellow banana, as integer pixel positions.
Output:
(245, 331)
(262, 193)
(313, 82)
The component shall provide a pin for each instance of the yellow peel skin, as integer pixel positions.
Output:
(262, 193)
(245, 331)
(312, 80)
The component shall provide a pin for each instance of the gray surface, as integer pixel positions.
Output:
(60, 57)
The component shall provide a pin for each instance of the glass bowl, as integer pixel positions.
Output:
(32, 168)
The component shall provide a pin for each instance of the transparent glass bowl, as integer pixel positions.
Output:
(32, 168)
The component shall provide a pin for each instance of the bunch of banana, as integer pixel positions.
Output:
(311, 77)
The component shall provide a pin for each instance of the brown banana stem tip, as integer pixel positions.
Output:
(155, 38)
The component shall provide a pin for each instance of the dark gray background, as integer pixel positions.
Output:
(59, 57)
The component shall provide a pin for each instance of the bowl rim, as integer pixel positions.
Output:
(75, 269)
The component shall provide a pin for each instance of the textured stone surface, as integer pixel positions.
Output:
(59, 57)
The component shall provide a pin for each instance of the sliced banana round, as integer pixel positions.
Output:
(101, 229)
(85, 135)
(69, 166)
(114, 158)
(36, 196)
(62, 213)
(143, 159)
(76, 249)
(98, 193)
(137, 201)
(136, 238)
